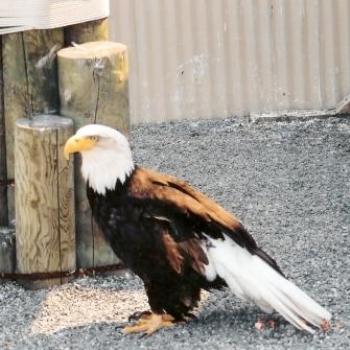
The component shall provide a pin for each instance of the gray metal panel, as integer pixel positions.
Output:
(207, 59)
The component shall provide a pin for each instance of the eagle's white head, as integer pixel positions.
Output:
(106, 155)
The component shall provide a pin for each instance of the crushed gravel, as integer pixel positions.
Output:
(289, 183)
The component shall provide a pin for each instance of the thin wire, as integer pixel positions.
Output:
(96, 72)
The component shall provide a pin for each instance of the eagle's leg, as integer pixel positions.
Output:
(138, 315)
(150, 324)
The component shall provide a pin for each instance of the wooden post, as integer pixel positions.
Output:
(87, 31)
(7, 250)
(7, 245)
(45, 229)
(3, 166)
(93, 86)
(93, 81)
(30, 83)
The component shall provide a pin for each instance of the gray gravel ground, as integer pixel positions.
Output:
(287, 180)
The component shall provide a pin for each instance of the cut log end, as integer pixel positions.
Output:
(92, 50)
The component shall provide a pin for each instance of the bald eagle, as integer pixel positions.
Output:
(177, 240)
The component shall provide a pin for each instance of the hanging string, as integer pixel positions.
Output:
(96, 74)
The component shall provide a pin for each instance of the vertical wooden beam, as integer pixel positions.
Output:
(3, 166)
(41, 48)
(30, 82)
(85, 32)
(93, 84)
(45, 228)
(88, 235)
(15, 99)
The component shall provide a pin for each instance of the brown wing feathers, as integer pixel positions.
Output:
(193, 251)
(173, 254)
(177, 252)
(148, 183)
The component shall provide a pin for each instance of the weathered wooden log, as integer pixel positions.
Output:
(87, 31)
(45, 228)
(7, 250)
(30, 82)
(3, 165)
(93, 85)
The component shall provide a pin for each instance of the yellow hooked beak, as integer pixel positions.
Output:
(78, 144)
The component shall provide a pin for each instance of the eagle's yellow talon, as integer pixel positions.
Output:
(150, 324)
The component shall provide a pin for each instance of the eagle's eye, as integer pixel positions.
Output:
(93, 138)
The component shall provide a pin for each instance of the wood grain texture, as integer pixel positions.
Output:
(7, 250)
(88, 31)
(93, 84)
(45, 228)
(30, 82)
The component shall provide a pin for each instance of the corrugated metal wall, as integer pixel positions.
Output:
(206, 58)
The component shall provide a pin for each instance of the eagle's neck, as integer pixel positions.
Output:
(103, 169)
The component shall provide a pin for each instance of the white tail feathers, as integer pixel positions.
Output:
(251, 278)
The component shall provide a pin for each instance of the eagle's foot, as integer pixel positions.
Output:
(263, 323)
(150, 324)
